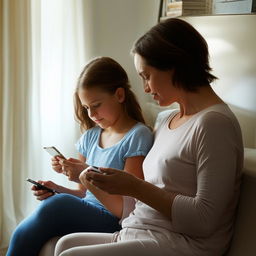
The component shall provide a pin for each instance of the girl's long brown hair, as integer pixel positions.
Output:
(106, 74)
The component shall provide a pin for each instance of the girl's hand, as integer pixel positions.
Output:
(56, 166)
(43, 194)
(112, 181)
(72, 168)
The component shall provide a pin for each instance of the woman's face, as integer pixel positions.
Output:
(156, 82)
(103, 108)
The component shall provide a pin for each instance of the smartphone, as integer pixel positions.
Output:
(54, 151)
(94, 169)
(40, 186)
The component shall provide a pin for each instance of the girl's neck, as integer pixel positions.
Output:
(123, 125)
(112, 135)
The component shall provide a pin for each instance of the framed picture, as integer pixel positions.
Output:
(232, 6)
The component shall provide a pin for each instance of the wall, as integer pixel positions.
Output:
(113, 26)
(232, 46)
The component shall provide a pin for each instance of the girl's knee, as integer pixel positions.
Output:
(51, 206)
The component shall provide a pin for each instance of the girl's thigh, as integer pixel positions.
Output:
(96, 244)
(66, 214)
(57, 216)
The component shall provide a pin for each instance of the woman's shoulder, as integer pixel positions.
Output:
(164, 116)
(219, 118)
(219, 113)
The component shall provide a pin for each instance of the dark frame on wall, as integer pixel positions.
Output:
(160, 13)
(175, 8)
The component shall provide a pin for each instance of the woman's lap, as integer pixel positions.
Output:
(96, 244)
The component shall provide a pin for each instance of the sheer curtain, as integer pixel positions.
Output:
(43, 51)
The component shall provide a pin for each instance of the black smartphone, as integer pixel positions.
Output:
(53, 151)
(40, 186)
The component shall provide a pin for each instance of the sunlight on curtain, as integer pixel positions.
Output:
(43, 54)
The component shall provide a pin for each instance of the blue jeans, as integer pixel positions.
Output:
(57, 216)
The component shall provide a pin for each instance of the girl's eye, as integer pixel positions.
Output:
(92, 106)
(96, 105)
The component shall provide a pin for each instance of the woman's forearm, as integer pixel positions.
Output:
(114, 203)
(155, 197)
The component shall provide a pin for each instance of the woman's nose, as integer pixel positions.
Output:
(146, 88)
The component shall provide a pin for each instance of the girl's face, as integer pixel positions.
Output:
(156, 82)
(103, 108)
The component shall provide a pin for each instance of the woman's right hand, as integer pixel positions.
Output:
(42, 194)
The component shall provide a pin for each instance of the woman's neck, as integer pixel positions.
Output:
(193, 102)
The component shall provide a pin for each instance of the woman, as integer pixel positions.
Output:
(186, 204)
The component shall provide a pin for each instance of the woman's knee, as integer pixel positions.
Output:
(65, 243)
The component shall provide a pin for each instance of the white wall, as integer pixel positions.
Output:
(232, 46)
(113, 26)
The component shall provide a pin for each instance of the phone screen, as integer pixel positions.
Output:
(40, 186)
(54, 152)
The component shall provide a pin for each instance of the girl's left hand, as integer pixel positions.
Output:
(111, 181)
(42, 194)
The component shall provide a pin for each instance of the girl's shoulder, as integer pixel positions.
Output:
(139, 129)
(139, 132)
(91, 133)
(138, 139)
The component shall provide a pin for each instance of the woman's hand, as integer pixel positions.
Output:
(111, 181)
(82, 177)
(72, 168)
(43, 194)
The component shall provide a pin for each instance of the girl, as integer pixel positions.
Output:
(115, 136)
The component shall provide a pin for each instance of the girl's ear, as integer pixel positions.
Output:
(120, 94)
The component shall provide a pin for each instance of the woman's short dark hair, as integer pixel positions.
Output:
(175, 45)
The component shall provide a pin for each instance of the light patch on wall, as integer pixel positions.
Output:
(218, 46)
(243, 94)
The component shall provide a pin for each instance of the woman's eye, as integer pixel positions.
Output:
(145, 78)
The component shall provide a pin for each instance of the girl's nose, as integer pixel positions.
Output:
(91, 112)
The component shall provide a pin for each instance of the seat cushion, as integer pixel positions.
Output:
(244, 240)
(48, 248)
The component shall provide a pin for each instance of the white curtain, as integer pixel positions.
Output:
(43, 51)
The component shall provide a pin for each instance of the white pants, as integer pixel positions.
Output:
(129, 242)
